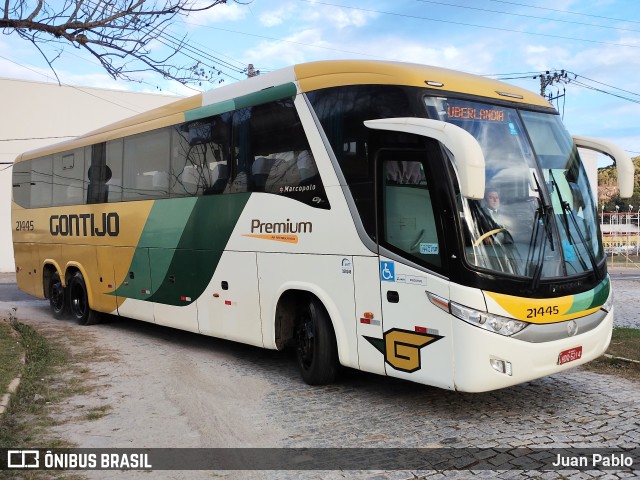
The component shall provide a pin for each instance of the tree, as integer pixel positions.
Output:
(119, 33)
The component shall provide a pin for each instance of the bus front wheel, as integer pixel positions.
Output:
(57, 296)
(315, 344)
(79, 301)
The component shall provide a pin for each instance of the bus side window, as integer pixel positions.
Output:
(273, 154)
(22, 183)
(409, 221)
(199, 157)
(146, 165)
(98, 174)
(114, 155)
(41, 181)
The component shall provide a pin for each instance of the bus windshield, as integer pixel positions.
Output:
(538, 217)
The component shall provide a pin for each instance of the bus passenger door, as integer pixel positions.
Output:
(416, 322)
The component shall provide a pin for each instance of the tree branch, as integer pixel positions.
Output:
(115, 32)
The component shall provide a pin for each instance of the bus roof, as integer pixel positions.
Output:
(303, 78)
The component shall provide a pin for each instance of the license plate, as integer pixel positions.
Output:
(570, 355)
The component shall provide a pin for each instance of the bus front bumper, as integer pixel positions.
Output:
(479, 354)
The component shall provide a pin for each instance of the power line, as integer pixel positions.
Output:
(71, 86)
(501, 12)
(566, 11)
(290, 41)
(430, 19)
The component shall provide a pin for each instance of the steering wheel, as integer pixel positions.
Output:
(488, 234)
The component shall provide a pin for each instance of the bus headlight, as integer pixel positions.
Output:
(493, 323)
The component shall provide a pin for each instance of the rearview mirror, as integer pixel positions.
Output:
(466, 150)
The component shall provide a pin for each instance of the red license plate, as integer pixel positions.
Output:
(570, 355)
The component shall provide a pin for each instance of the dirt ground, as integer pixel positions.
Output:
(160, 387)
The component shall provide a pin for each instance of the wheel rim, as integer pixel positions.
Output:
(56, 294)
(78, 300)
(305, 342)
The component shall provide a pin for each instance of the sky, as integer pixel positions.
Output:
(597, 42)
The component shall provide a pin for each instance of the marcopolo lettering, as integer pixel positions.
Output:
(280, 227)
(85, 225)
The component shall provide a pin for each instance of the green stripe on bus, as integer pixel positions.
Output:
(263, 96)
(209, 110)
(267, 95)
(592, 298)
(195, 258)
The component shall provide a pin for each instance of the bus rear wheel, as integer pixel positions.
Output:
(315, 344)
(57, 296)
(79, 301)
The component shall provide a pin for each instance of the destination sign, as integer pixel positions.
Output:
(474, 113)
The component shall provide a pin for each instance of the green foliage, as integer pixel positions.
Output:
(608, 191)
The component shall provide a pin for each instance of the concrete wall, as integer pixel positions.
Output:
(32, 113)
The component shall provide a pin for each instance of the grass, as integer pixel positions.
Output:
(26, 418)
(97, 412)
(11, 351)
(625, 345)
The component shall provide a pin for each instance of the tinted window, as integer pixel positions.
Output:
(271, 154)
(146, 165)
(342, 112)
(114, 153)
(68, 177)
(199, 156)
(22, 183)
(41, 181)
(408, 219)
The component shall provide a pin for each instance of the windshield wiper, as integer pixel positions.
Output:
(567, 208)
(542, 215)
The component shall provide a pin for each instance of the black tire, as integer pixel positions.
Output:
(315, 344)
(57, 297)
(79, 302)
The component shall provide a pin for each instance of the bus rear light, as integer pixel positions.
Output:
(501, 366)
(493, 323)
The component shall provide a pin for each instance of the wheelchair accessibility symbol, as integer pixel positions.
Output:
(387, 272)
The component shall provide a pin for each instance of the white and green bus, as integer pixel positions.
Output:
(335, 207)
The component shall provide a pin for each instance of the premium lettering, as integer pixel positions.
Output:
(85, 225)
(280, 227)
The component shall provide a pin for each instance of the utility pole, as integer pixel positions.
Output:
(251, 71)
(547, 79)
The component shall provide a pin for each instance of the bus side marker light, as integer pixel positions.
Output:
(227, 302)
(501, 366)
(185, 299)
(216, 295)
(146, 292)
(438, 301)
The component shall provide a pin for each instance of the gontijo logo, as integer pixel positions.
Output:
(286, 231)
(85, 225)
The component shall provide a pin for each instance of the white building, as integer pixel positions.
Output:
(35, 114)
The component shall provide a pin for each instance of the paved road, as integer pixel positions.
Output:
(169, 388)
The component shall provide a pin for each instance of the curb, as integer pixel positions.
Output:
(622, 359)
(15, 383)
